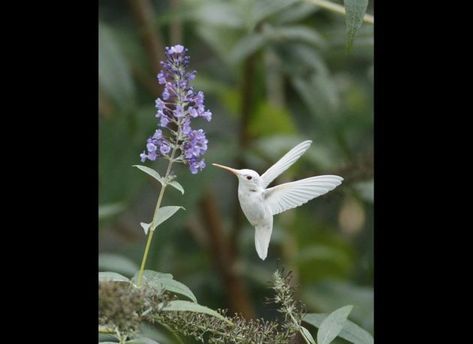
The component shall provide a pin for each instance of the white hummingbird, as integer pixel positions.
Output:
(260, 204)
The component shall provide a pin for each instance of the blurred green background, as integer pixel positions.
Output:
(274, 73)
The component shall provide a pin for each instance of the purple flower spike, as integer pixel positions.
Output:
(177, 106)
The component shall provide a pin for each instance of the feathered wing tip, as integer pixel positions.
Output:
(262, 238)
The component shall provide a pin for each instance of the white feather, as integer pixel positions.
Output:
(290, 195)
(284, 163)
(262, 238)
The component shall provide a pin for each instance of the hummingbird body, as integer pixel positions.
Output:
(260, 204)
(251, 197)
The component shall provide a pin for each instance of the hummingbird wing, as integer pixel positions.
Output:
(290, 195)
(285, 162)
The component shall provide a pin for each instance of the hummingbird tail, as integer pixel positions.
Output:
(262, 238)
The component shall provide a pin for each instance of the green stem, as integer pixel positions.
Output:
(299, 326)
(328, 5)
(151, 229)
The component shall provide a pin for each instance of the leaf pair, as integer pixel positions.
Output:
(336, 324)
(163, 213)
(164, 281)
(162, 180)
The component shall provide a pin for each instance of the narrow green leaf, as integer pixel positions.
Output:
(218, 13)
(117, 263)
(160, 281)
(108, 210)
(112, 276)
(177, 287)
(141, 340)
(163, 214)
(297, 12)
(355, 11)
(153, 278)
(351, 331)
(114, 72)
(296, 33)
(306, 334)
(187, 306)
(177, 186)
(265, 8)
(151, 172)
(145, 227)
(246, 46)
(332, 325)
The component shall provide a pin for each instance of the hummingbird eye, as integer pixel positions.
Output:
(248, 177)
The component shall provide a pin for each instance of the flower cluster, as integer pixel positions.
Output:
(177, 106)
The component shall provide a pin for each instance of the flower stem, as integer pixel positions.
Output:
(151, 229)
(299, 326)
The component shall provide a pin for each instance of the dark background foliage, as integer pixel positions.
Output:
(274, 73)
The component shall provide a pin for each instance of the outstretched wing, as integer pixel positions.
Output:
(290, 195)
(285, 162)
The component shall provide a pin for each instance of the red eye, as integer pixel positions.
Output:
(248, 177)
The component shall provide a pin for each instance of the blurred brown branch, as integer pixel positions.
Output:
(144, 15)
(105, 106)
(360, 169)
(244, 138)
(146, 81)
(224, 258)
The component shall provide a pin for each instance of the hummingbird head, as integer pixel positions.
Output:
(245, 177)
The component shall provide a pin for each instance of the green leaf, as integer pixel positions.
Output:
(114, 72)
(295, 13)
(112, 276)
(247, 46)
(117, 263)
(160, 281)
(153, 279)
(151, 172)
(222, 14)
(108, 210)
(163, 214)
(332, 325)
(187, 306)
(253, 42)
(350, 332)
(306, 334)
(145, 227)
(220, 39)
(177, 287)
(141, 340)
(177, 186)
(296, 33)
(355, 11)
(265, 8)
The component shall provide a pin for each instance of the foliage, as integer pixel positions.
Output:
(123, 306)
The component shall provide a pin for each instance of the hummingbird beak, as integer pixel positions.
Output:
(232, 170)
